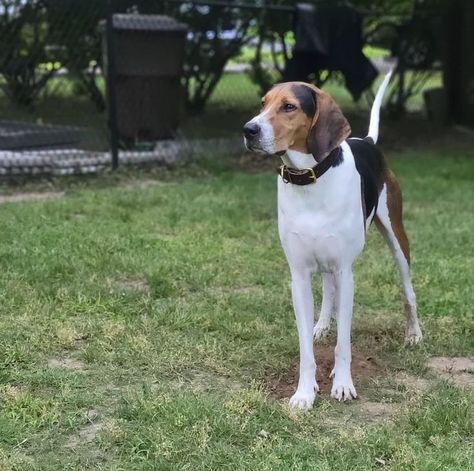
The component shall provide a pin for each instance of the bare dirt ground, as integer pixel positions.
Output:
(282, 384)
(66, 363)
(379, 389)
(130, 284)
(88, 432)
(31, 197)
(459, 370)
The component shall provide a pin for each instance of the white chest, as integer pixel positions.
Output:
(321, 225)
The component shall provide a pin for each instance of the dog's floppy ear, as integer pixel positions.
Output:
(329, 127)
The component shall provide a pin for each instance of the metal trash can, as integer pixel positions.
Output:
(149, 54)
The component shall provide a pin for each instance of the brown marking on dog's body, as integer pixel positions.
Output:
(394, 233)
(330, 127)
(395, 212)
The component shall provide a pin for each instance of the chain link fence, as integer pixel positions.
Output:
(184, 77)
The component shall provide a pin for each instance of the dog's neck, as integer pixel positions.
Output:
(298, 160)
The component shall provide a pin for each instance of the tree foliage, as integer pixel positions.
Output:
(64, 33)
(216, 34)
(23, 49)
(74, 35)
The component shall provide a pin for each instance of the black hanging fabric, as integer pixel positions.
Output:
(330, 38)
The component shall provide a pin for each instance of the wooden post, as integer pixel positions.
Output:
(110, 84)
(458, 67)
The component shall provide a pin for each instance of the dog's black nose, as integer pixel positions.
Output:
(251, 130)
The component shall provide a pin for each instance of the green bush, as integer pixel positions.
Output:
(24, 32)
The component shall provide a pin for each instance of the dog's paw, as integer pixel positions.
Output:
(343, 390)
(303, 400)
(413, 335)
(320, 330)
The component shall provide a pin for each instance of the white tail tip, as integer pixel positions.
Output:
(375, 111)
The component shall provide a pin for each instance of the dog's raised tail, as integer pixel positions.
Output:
(375, 111)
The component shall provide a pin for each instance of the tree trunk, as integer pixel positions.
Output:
(459, 60)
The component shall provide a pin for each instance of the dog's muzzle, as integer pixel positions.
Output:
(251, 130)
(252, 135)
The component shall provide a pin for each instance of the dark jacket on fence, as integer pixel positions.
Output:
(330, 38)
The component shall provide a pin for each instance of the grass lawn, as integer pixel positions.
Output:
(147, 324)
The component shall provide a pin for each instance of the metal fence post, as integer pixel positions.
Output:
(111, 90)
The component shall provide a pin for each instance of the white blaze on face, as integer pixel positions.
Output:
(264, 142)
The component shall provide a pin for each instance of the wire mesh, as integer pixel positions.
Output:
(174, 99)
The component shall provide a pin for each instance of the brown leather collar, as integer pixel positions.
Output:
(309, 175)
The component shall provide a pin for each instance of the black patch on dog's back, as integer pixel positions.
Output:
(371, 166)
(306, 97)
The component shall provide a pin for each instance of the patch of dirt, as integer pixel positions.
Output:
(11, 392)
(463, 380)
(377, 411)
(69, 338)
(413, 383)
(452, 364)
(88, 433)
(282, 384)
(459, 370)
(202, 381)
(66, 363)
(131, 284)
(31, 197)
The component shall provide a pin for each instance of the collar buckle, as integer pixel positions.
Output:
(282, 174)
(313, 175)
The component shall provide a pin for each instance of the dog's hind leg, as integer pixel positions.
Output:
(389, 222)
(327, 306)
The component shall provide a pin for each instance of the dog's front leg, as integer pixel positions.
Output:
(303, 305)
(343, 387)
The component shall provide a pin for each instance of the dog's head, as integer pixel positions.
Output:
(297, 116)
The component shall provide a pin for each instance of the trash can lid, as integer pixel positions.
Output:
(136, 22)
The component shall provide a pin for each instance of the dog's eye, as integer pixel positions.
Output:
(287, 107)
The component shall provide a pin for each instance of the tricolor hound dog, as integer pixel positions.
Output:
(330, 189)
